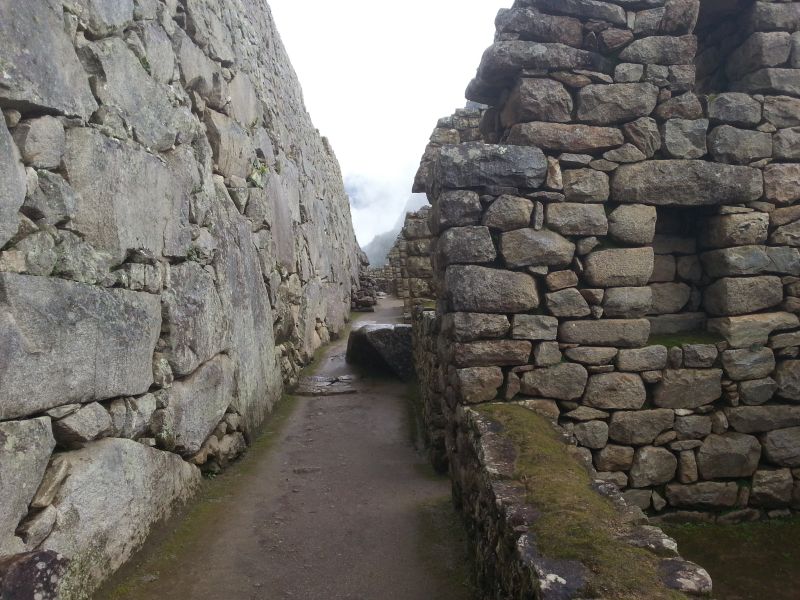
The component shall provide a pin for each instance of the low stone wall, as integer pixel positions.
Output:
(426, 325)
(511, 551)
(175, 244)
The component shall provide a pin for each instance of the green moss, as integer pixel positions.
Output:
(576, 523)
(443, 547)
(690, 337)
(174, 540)
(746, 560)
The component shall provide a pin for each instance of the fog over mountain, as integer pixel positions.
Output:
(379, 247)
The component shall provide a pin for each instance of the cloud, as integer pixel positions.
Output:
(376, 77)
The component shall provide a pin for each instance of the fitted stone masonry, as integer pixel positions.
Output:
(631, 265)
(175, 244)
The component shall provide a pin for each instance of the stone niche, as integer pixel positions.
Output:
(621, 249)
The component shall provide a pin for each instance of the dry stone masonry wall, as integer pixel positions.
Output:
(619, 250)
(175, 243)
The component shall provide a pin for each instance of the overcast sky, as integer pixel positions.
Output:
(377, 76)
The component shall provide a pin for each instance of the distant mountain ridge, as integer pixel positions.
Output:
(378, 249)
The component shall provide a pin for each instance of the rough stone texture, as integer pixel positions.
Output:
(117, 490)
(480, 289)
(12, 193)
(173, 172)
(523, 247)
(619, 267)
(193, 313)
(25, 448)
(615, 391)
(742, 295)
(782, 447)
(688, 388)
(623, 333)
(685, 183)
(561, 382)
(652, 466)
(100, 342)
(566, 138)
(616, 103)
(52, 78)
(473, 165)
(383, 347)
(728, 455)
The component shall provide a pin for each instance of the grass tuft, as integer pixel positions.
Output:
(576, 523)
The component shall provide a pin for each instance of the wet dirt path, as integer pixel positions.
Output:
(333, 501)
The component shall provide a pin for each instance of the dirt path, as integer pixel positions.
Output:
(333, 502)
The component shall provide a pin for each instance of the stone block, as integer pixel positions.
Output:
(688, 388)
(729, 455)
(467, 327)
(456, 208)
(52, 79)
(619, 267)
(624, 391)
(534, 25)
(632, 224)
(650, 358)
(685, 183)
(620, 333)
(614, 458)
(746, 364)
(591, 434)
(760, 419)
(782, 182)
(470, 288)
(12, 192)
(759, 50)
(735, 109)
(557, 137)
(685, 138)
(703, 495)
(465, 245)
(652, 466)
(787, 377)
(772, 488)
(627, 302)
(478, 384)
(567, 303)
(117, 491)
(728, 144)
(565, 381)
(644, 134)
(524, 247)
(534, 327)
(474, 165)
(669, 297)
(782, 447)
(85, 324)
(198, 403)
(24, 453)
(585, 185)
(757, 391)
(640, 427)
(569, 218)
(537, 100)
(606, 104)
(746, 330)
(40, 142)
(504, 214)
(491, 353)
(731, 296)
(88, 423)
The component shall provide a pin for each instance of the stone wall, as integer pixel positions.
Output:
(175, 243)
(620, 248)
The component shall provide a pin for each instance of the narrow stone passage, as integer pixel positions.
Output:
(333, 503)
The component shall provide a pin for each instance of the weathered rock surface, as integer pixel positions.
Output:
(197, 404)
(382, 346)
(117, 490)
(25, 448)
(728, 455)
(640, 427)
(561, 382)
(477, 289)
(475, 165)
(685, 183)
(100, 341)
(615, 391)
(688, 388)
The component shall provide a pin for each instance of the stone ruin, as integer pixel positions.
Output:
(175, 245)
(620, 249)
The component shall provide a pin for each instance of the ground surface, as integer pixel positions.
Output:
(749, 561)
(333, 501)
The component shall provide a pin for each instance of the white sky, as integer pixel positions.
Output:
(376, 76)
